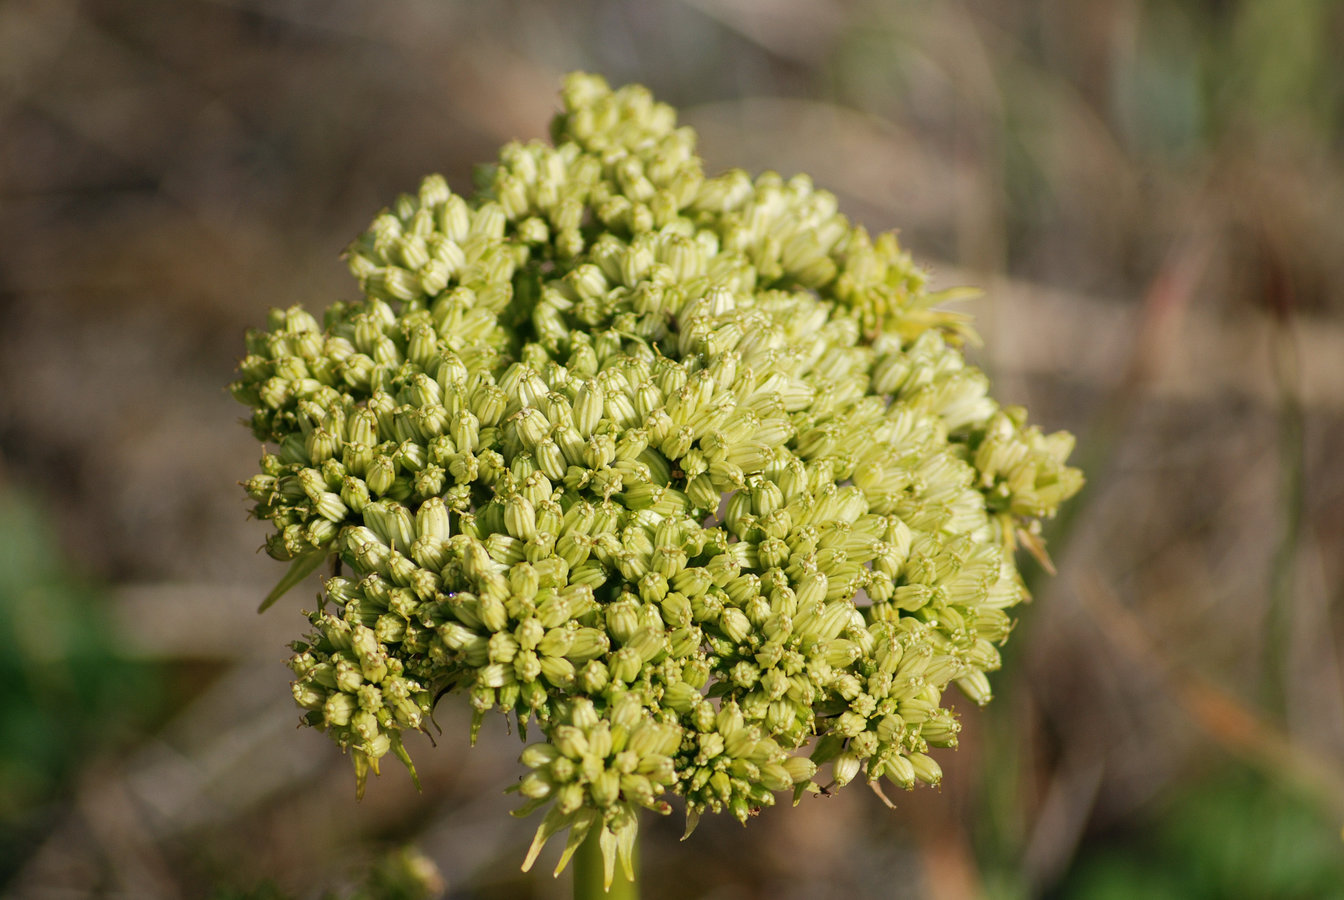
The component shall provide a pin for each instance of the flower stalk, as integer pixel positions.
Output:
(591, 880)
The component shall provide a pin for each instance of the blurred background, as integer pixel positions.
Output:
(1149, 192)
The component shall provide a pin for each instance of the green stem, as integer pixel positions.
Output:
(588, 873)
(1292, 492)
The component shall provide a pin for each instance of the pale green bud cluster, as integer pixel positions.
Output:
(687, 471)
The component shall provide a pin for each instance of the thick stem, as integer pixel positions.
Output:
(588, 873)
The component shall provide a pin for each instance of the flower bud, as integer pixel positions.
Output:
(330, 507)
(338, 709)
(520, 517)
(925, 768)
(526, 666)
(845, 767)
(975, 685)
(625, 665)
(589, 405)
(587, 644)
(735, 625)
(593, 677)
(681, 697)
(309, 696)
(558, 671)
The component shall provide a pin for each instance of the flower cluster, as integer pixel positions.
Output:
(689, 472)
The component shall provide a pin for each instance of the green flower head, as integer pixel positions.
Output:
(688, 472)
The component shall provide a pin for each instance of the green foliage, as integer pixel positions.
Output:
(266, 890)
(400, 874)
(68, 689)
(1233, 835)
